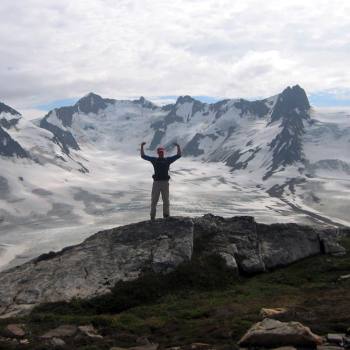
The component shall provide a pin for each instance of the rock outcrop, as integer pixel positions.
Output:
(271, 333)
(123, 253)
(92, 267)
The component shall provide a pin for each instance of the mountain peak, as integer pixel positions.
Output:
(292, 101)
(297, 95)
(91, 103)
(184, 99)
(7, 109)
(145, 103)
(8, 116)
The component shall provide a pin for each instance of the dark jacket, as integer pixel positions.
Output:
(161, 166)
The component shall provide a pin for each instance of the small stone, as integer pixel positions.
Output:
(142, 341)
(201, 346)
(57, 342)
(15, 330)
(344, 277)
(89, 331)
(329, 347)
(24, 341)
(272, 313)
(61, 331)
(335, 338)
(271, 333)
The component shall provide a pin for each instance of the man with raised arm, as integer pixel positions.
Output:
(160, 178)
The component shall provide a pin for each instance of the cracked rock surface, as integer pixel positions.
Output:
(94, 266)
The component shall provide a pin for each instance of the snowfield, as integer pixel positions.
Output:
(48, 207)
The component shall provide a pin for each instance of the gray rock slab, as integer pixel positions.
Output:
(283, 244)
(94, 266)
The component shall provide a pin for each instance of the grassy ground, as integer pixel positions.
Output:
(186, 308)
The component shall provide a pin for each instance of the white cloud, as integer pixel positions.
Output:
(32, 113)
(53, 50)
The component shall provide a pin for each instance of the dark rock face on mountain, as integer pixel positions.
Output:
(291, 101)
(94, 266)
(219, 108)
(258, 108)
(91, 103)
(8, 122)
(157, 138)
(7, 109)
(62, 137)
(234, 160)
(292, 110)
(160, 127)
(9, 147)
(192, 147)
(144, 103)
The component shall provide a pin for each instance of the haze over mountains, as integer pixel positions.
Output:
(78, 167)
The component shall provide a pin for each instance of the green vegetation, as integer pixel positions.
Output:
(204, 301)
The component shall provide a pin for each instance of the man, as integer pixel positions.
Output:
(161, 178)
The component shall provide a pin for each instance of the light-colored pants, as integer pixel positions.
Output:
(160, 187)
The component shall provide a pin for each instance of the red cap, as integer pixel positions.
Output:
(160, 149)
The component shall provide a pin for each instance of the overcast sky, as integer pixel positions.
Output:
(60, 50)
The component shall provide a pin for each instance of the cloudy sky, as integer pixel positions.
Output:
(53, 52)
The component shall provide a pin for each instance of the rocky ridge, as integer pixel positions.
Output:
(9, 117)
(123, 253)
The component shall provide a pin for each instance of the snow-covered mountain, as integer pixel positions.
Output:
(277, 159)
(265, 136)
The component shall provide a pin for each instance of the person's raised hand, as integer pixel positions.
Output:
(176, 144)
(143, 143)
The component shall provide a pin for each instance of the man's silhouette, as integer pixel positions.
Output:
(160, 178)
